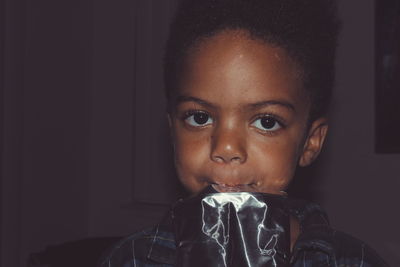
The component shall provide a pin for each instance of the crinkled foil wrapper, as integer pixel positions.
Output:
(232, 229)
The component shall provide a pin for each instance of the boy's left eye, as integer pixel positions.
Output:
(267, 123)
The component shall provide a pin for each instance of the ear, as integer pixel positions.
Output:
(314, 141)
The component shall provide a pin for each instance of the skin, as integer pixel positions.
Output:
(233, 81)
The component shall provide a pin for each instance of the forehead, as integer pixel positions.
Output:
(233, 68)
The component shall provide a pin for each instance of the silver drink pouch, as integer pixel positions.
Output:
(232, 229)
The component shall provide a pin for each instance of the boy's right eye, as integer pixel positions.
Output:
(198, 118)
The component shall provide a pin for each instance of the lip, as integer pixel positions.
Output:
(224, 188)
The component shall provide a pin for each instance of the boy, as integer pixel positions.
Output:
(248, 84)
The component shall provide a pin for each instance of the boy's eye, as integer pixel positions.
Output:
(198, 118)
(267, 123)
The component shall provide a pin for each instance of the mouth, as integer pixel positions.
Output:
(225, 188)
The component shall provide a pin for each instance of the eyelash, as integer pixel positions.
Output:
(190, 113)
(276, 118)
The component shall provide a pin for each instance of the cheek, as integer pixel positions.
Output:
(276, 159)
(190, 147)
(191, 154)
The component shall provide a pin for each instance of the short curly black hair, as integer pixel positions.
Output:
(306, 29)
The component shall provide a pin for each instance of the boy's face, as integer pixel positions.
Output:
(240, 117)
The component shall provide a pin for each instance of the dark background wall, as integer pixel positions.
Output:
(85, 149)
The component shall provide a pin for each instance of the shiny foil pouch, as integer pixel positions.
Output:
(232, 229)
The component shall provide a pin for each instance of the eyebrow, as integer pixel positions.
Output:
(182, 98)
(272, 102)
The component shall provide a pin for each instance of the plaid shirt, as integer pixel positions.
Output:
(317, 245)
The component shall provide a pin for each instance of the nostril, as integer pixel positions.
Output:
(222, 159)
(218, 159)
(239, 159)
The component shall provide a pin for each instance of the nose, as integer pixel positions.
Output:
(228, 146)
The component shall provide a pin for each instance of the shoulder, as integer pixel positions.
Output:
(323, 243)
(319, 242)
(121, 251)
(150, 247)
(348, 247)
